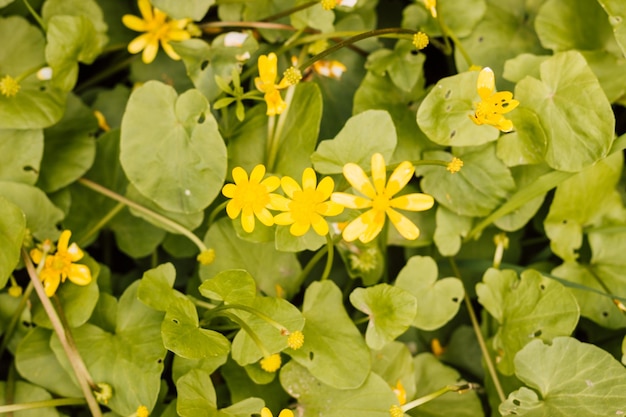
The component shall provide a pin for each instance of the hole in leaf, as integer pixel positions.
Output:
(517, 402)
(605, 314)
(543, 287)
(414, 52)
(537, 333)
(480, 39)
(448, 108)
(311, 356)
(28, 168)
(175, 321)
(452, 134)
(448, 94)
(204, 64)
(564, 221)
(159, 360)
(455, 299)
(42, 88)
(201, 118)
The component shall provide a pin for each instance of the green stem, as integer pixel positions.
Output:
(57, 402)
(35, 15)
(251, 25)
(216, 211)
(167, 223)
(109, 70)
(271, 138)
(250, 333)
(103, 221)
(252, 310)
(288, 12)
(421, 162)
(479, 336)
(330, 248)
(448, 388)
(8, 334)
(80, 370)
(273, 151)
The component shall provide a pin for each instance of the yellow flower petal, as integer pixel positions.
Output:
(330, 208)
(50, 285)
(405, 227)
(79, 274)
(74, 252)
(278, 202)
(351, 201)
(284, 219)
(265, 216)
(320, 225)
(379, 173)
(178, 34)
(229, 190)
(137, 44)
(265, 412)
(150, 51)
(299, 228)
(275, 103)
(169, 50)
(286, 413)
(271, 183)
(36, 255)
(505, 125)
(268, 68)
(358, 179)
(326, 187)
(400, 177)
(374, 226)
(233, 208)
(247, 219)
(413, 202)
(145, 8)
(64, 241)
(240, 176)
(486, 83)
(309, 179)
(134, 23)
(289, 186)
(356, 227)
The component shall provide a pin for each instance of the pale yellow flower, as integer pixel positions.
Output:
(265, 412)
(493, 105)
(378, 197)
(158, 28)
(60, 266)
(266, 83)
(306, 205)
(251, 197)
(9, 86)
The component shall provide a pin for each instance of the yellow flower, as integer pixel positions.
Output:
(431, 5)
(329, 4)
(295, 340)
(396, 411)
(455, 165)
(378, 198)
(292, 75)
(306, 206)
(60, 265)
(265, 82)
(206, 257)
(158, 28)
(493, 105)
(9, 86)
(400, 392)
(251, 197)
(420, 40)
(265, 412)
(271, 363)
(142, 411)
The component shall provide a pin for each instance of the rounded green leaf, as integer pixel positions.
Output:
(235, 286)
(438, 301)
(20, 155)
(572, 110)
(155, 288)
(616, 10)
(391, 312)
(171, 149)
(12, 230)
(23, 392)
(196, 395)
(572, 378)
(444, 114)
(177, 9)
(183, 335)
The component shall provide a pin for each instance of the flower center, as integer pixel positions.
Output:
(59, 263)
(304, 205)
(252, 194)
(380, 203)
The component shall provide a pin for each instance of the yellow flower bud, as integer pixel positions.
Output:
(455, 165)
(271, 363)
(295, 340)
(420, 40)
(9, 86)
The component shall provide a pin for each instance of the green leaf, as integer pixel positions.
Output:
(186, 168)
(24, 392)
(450, 230)
(182, 366)
(38, 104)
(607, 67)
(298, 136)
(483, 184)
(89, 9)
(155, 288)
(400, 64)
(372, 398)
(183, 335)
(444, 114)
(268, 266)
(438, 301)
(181, 9)
(234, 286)
(313, 17)
(580, 201)
(390, 310)
(244, 147)
(69, 146)
(572, 110)
(334, 350)
(12, 231)
(286, 242)
(617, 13)
(558, 25)
(130, 359)
(135, 237)
(35, 361)
(534, 307)
(363, 135)
(196, 395)
(41, 214)
(394, 363)
(20, 155)
(571, 377)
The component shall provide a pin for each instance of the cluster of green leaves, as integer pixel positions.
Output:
(184, 339)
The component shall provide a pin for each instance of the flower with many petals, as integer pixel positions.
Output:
(378, 197)
(265, 83)
(265, 412)
(60, 266)
(158, 28)
(308, 205)
(493, 105)
(251, 197)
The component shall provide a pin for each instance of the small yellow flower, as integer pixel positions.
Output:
(455, 165)
(158, 28)
(265, 412)
(9, 86)
(102, 121)
(329, 4)
(331, 69)
(15, 291)
(104, 393)
(436, 348)
(251, 197)
(142, 411)
(306, 206)
(364, 260)
(420, 40)
(396, 411)
(60, 265)
(431, 6)
(292, 75)
(265, 82)
(206, 257)
(271, 363)
(378, 198)
(295, 340)
(400, 392)
(493, 105)
(474, 67)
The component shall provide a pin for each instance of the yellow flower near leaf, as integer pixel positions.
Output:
(9, 86)
(295, 340)
(378, 198)
(492, 105)
(271, 363)
(306, 205)
(431, 6)
(60, 266)
(158, 28)
(251, 197)
(265, 412)
(265, 83)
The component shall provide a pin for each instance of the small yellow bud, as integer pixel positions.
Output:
(295, 340)
(142, 411)
(193, 29)
(431, 5)
(15, 291)
(329, 4)
(396, 411)
(292, 75)
(9, 86)
(206, 257)
(475, 68)
(455, 165)
(420, 40)
(102, 121)
(400, 392)
(104, 394)
(435, 346)
(271, 363)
